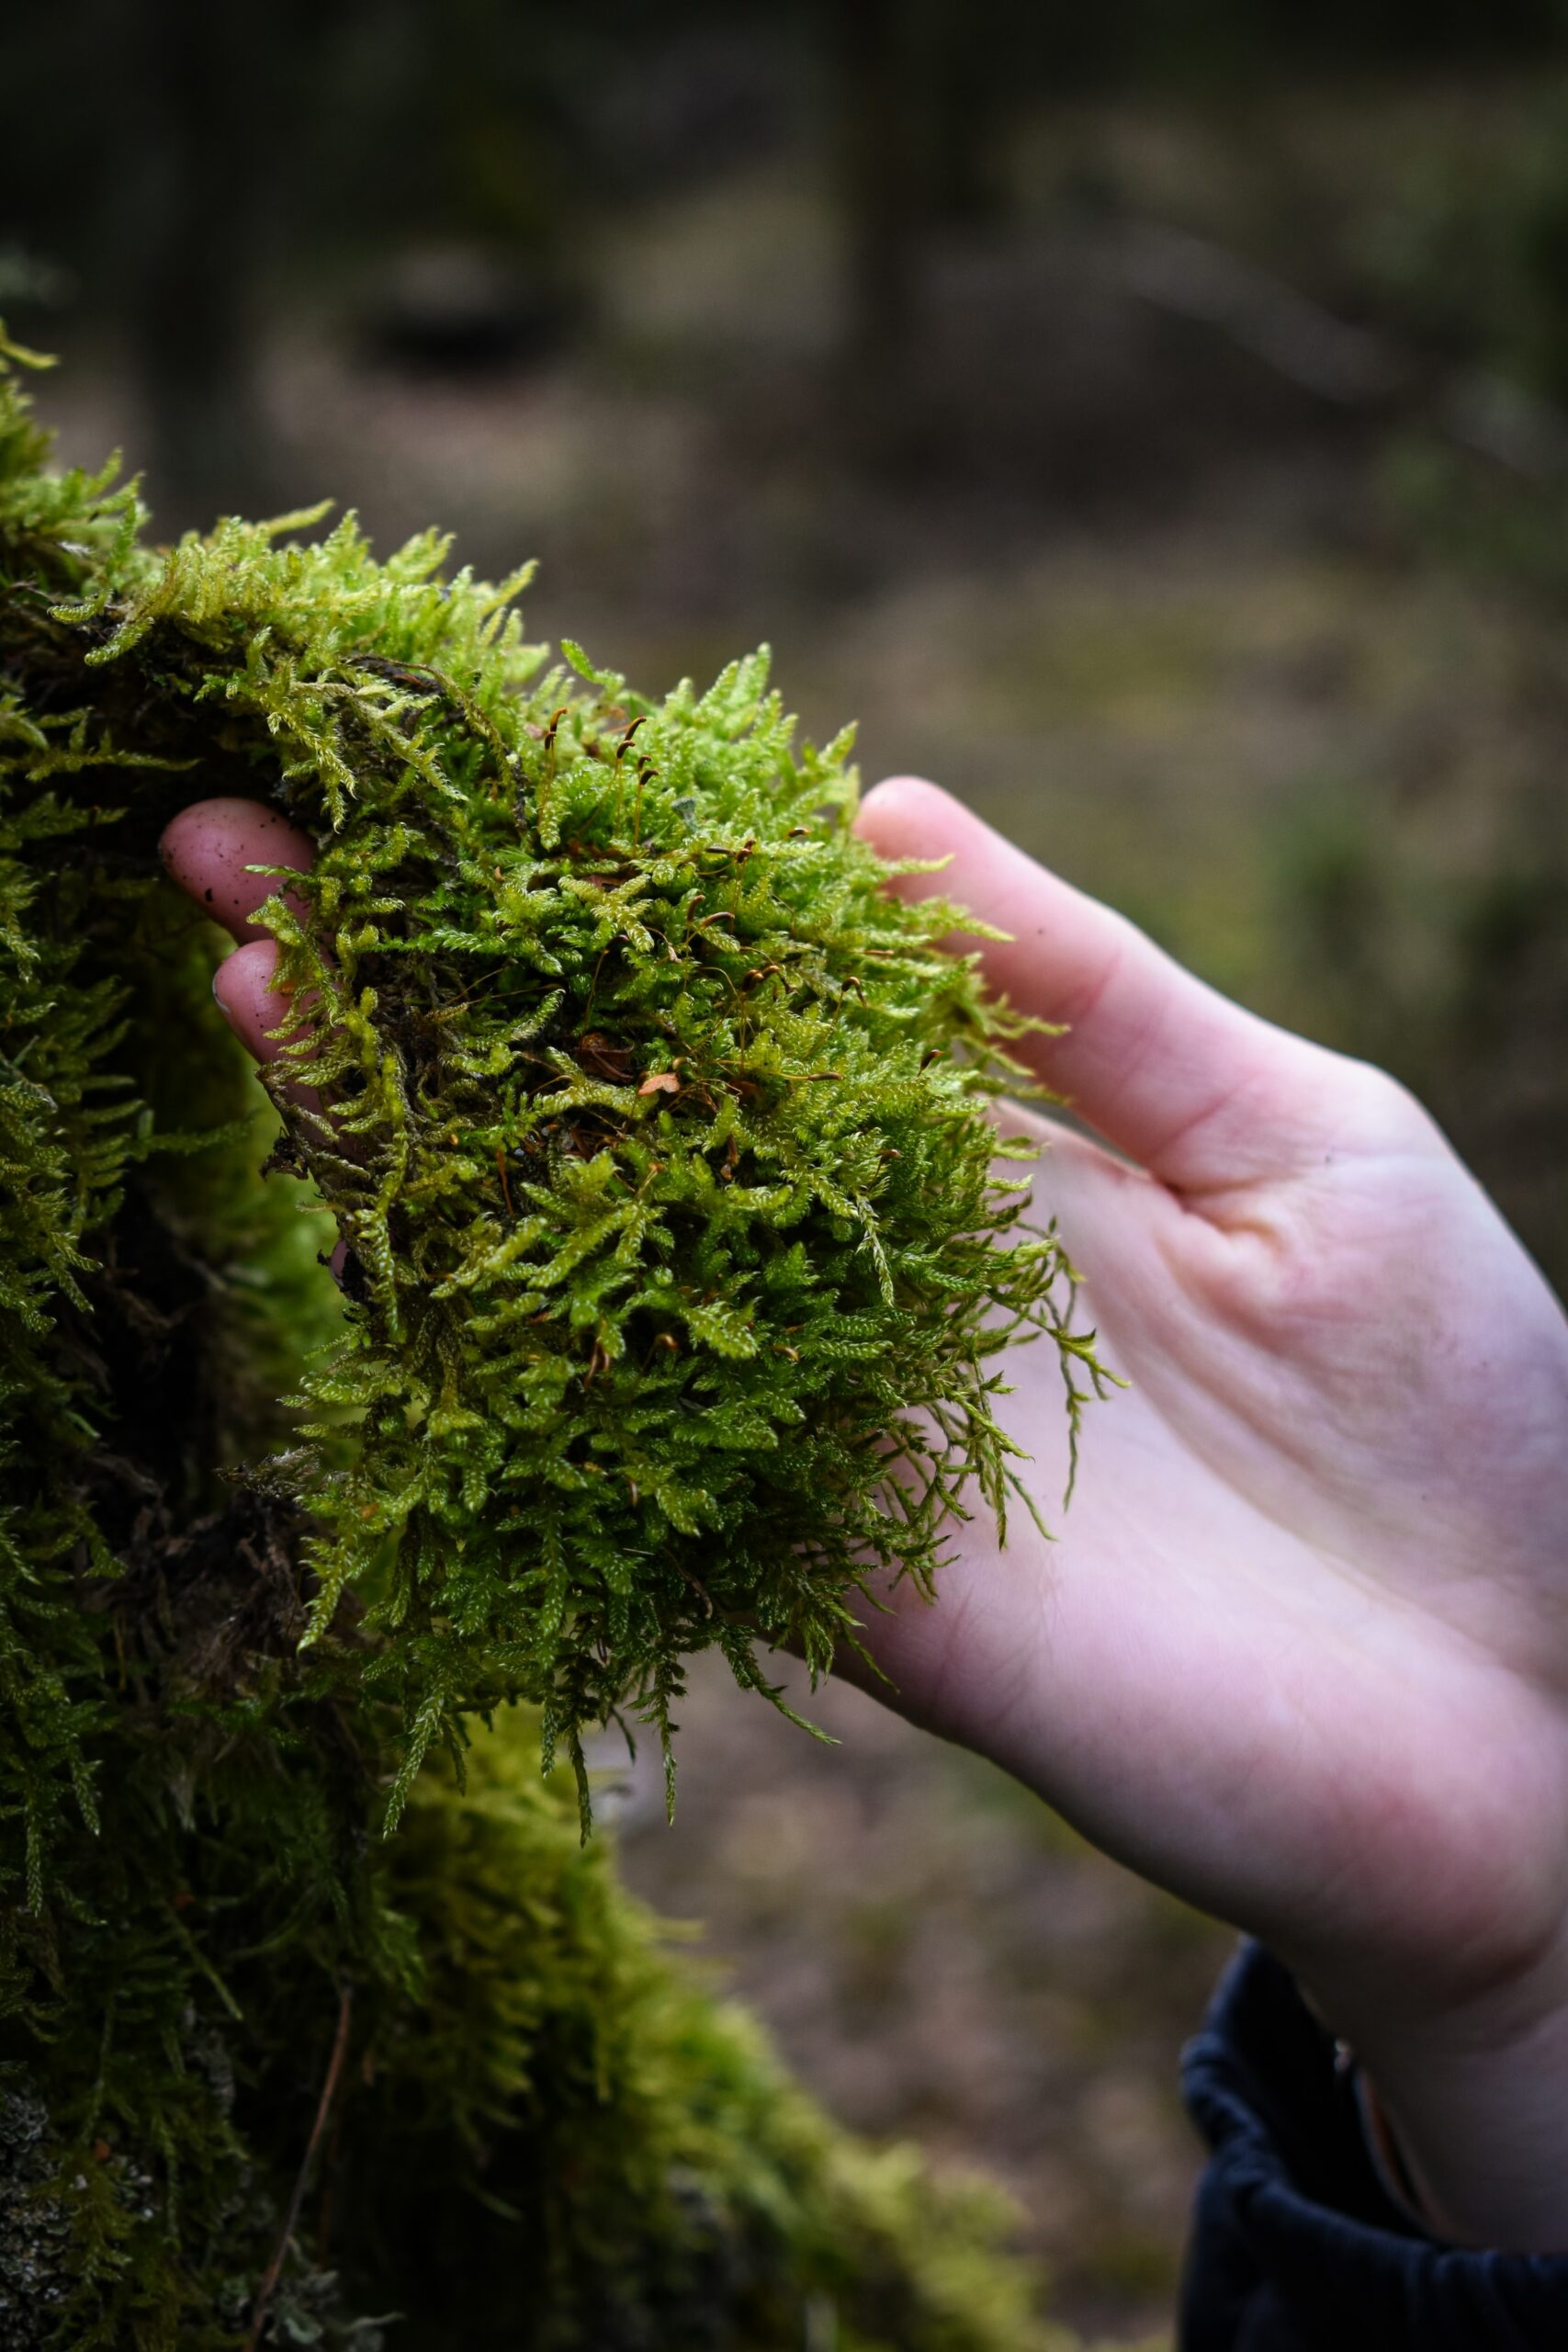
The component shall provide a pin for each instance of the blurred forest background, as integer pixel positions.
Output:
(1153, 421)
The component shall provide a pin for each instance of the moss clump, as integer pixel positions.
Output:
(642, 1305)
(678, 1263)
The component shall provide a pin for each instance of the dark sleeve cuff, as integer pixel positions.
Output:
(1296, 2246)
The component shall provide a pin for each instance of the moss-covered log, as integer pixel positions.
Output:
(676, 1277)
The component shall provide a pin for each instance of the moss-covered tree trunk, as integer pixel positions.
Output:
(633, 1254)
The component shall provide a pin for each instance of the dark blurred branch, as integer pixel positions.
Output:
(1351, 366)
(980, 68)
(190, 285)
(923, 96)
(1293, 334)
(879, 181)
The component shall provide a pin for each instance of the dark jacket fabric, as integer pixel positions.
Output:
(1296, 2246)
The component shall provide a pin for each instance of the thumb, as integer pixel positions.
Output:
(1200, 1093)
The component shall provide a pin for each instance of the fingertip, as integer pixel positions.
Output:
(887, 786)
(903, 808)
(243, 993)
(209, 847)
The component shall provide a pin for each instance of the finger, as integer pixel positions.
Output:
(243, 989)
(1200, 1093)
(244, 994)
(210, 848)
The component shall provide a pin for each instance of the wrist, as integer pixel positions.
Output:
(1468, 2108)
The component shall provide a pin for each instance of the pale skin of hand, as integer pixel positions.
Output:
(1300, 1649)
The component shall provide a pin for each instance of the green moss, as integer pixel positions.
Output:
(678, 1279)
(678, 1263)
(634, 2142)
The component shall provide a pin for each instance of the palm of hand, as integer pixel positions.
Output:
(1301, 1649)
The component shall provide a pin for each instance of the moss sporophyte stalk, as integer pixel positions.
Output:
(680, 1260)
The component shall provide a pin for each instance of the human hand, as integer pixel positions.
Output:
(1300, 1653)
